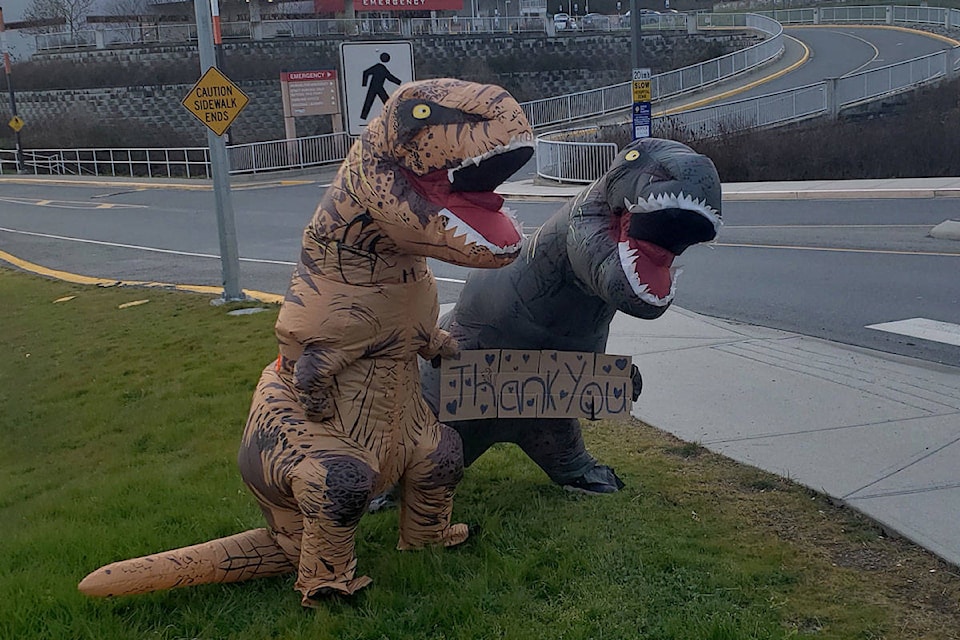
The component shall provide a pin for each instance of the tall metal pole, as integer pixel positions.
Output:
(219, 167)
(7, 67)
(635, 34)
(218, 47)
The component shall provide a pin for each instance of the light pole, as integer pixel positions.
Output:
(21, 164)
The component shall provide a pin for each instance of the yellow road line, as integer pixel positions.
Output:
(935, 36)
(732, 92)
(77, 278)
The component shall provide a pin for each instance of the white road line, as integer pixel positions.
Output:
(190, 254)
(945, 332)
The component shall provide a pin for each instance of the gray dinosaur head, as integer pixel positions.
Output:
(658, 198)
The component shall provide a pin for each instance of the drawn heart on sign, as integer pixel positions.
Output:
(452, 407)
(617, 392)
(484, 407)
(553, 356)
(452, 383)
(526, 357)
(621, 363)
(563, 394)
(469, 382)
(508, 357)
(490, 358)
(607, 368)
(531, 401)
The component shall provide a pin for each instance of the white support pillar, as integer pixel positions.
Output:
(256, 21)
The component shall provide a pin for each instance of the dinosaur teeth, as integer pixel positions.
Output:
(469, 235)
(659, 201)
(628, 262)
(518, 142)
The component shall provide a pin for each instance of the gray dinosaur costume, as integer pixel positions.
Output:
(610, 249)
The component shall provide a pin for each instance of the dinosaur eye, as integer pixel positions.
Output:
(421, 111)
(632, 155)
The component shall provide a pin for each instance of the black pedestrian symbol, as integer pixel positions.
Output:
(377, 75)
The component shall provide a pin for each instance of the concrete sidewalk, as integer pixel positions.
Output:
(876, 431)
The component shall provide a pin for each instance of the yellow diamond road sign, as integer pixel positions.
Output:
(16, 123)
(215, 101)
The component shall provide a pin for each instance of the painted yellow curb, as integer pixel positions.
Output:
(77, 278)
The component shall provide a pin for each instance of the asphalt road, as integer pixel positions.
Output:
(818, 268)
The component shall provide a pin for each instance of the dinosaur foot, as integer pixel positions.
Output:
(599, 479)
(313, 600)
(385, 501)
(450, 537)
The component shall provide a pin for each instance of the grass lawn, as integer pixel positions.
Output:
(119, 429)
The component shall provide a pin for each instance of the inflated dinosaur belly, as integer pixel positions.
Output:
(339, 415)
(612, 248)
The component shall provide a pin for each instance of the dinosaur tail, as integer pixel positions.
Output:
(251, 554)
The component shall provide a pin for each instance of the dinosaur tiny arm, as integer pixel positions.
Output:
(313, 378)
(441, 345)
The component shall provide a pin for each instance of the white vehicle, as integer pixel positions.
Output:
(561, 21)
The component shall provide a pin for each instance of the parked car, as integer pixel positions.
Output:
(561, 21)
(594, 21)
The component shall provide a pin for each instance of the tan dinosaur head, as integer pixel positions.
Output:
(429, 165)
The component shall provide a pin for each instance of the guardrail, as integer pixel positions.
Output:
(618, 97)
(272, 27)
(827, 98)
(570, 161)
(558, 161)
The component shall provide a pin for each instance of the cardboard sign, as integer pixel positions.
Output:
(511, 383)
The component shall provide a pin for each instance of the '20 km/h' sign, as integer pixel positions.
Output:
(215, 101)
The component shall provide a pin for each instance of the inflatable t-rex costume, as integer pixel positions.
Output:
(339, 416)
(611, 248)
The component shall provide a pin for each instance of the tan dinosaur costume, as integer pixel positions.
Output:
(339, 416)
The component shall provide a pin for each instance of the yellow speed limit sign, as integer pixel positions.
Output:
(16, 123)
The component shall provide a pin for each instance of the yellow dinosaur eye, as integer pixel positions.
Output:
(632, 155)
(421, 111)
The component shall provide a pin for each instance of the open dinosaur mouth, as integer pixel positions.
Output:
(471, 211)
(649, 270)
(652, 233)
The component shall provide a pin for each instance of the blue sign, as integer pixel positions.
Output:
(642, 118)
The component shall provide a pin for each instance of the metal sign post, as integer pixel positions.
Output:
(16, 122)
(642, 113)
(219, 167)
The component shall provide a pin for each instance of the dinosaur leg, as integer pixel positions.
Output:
(251, 554)
(332, 493)
(428, 484)
(556, 445)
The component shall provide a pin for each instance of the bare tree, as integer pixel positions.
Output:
(72, 11)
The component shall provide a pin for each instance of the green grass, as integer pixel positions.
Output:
(119, 429)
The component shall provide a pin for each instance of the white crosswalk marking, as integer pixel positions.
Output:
(945, 332)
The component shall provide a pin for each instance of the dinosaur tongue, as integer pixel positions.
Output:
(647, 267)
(479, 210)
(652, 266)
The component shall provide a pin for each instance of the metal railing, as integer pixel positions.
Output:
(827, 98)
(618, 97)
(570, 161)
(273, 27)
(557, 156)
(300, 153)
(185, 162)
